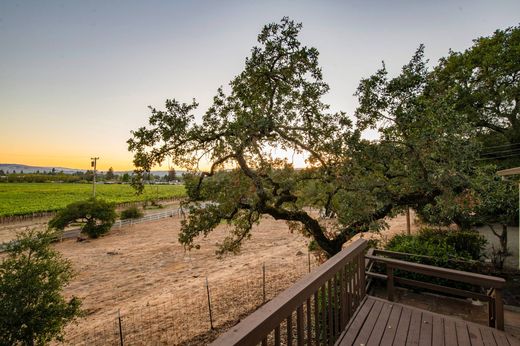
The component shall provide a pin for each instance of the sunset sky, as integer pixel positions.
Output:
(77, 76)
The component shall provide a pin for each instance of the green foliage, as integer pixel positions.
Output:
(313, 246)
(461, 250)
(22, 199)
(487, 200)
(97, 217)
(110, 174)
(439, 121)
(482, 86)
(443, 246)
(42, 178)
(152, 204)
(172, 175)
(33, 310)
(132, 212)
(496, 198)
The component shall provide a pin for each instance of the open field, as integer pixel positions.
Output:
(27, 198)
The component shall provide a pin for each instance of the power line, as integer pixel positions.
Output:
(498, 157)
(502, 145)
(501, 151)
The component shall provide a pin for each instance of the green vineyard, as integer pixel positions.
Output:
(28, 198)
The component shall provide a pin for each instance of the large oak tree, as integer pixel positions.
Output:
(275, 105)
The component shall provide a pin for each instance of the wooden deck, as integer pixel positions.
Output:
(380, 322)
(330, 306)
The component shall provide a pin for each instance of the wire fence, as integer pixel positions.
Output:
(194, 315)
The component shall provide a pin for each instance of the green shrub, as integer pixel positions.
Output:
(33, 309)
(152, 204)
(132, 212)
(96, 215)
(442, 245)
(461, 250)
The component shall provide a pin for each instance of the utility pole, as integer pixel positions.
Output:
(93, 164)
(408, 230)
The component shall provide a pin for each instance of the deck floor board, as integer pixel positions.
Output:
(380, 322)
(391, 326)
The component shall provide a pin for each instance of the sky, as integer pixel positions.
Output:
(77, 76)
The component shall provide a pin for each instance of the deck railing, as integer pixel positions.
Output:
(493, 284)
(314, 311)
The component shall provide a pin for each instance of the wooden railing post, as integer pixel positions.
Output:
(390, 282)
(491, 313)
(499, 309)
(362, 282)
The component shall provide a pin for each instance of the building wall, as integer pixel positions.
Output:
(512, 242)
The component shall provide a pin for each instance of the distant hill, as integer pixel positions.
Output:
(18, 168)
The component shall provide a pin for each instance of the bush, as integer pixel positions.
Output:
(132, 212)
(461, 250)
(442, 245)
(33, 310)
(96, 215)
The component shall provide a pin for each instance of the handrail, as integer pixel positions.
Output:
(495, 284)
(405, 255)
(339, 282)
(443, 273)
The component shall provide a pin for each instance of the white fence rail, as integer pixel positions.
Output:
(147, 218)
(73, 233)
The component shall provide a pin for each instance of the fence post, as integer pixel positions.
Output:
(209, 305)
(263, 281)
(120, 327)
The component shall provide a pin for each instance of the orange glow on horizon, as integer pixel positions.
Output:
(78, 162)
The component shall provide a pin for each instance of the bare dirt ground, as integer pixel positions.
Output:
(146, 273)
(160, 288)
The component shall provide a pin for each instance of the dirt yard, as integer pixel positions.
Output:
(146, 273)
(160, 288)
